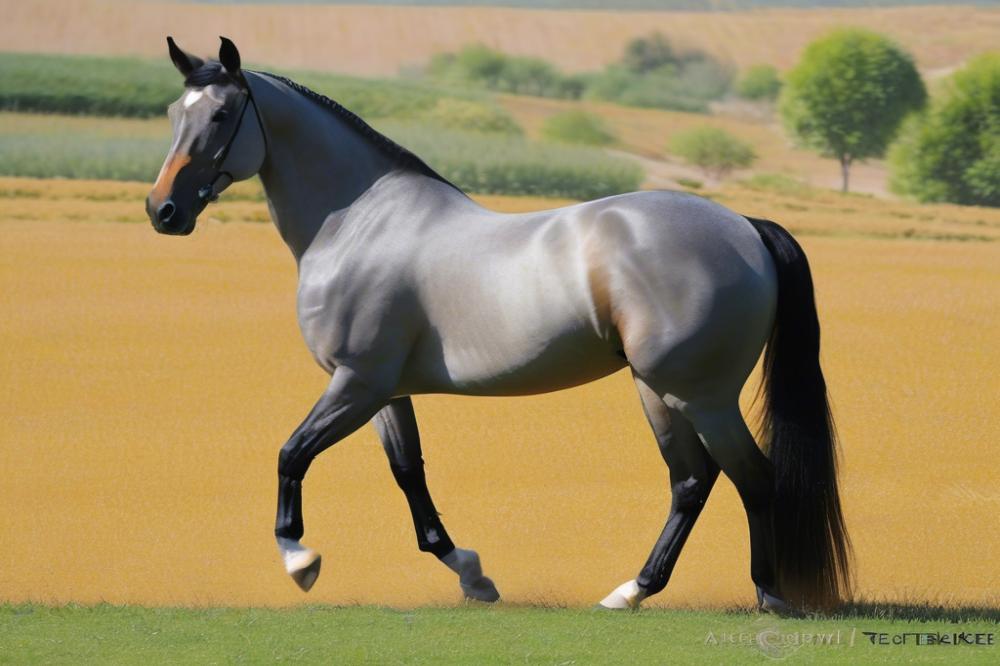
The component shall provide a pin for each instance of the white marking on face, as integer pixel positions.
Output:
(192, 97)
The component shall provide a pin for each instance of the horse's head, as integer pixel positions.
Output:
(218, 139)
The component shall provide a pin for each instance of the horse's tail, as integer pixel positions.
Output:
(812, 546)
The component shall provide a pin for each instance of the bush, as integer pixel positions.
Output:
(760, 82)
(473, 116)
(482, 66)
(652, 74)
(578, 127)
(849, 94)
(645, 54)
(659, 90)
(715, 151)
(953, 152)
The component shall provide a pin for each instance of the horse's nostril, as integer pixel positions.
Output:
(165, 212)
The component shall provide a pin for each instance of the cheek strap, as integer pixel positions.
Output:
(210, 192)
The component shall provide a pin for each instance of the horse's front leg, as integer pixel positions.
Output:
(397, 427)
(346, 405)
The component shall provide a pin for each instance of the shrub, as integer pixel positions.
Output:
(652, 74)
(482, 66)
(715, 151)
(645, 54)
(759, 82)
(578, 127)
(849, 94)
(953, 152)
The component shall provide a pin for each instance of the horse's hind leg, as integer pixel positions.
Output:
(692, 475)
(732, 446)
(397, 428)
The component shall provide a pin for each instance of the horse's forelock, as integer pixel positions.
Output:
(209, 73)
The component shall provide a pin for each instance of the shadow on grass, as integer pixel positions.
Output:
(919, 612)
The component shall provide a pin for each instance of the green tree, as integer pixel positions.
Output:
(952, 153)
(644, 54)
(759, 82)
(849, 94)
(715, 151)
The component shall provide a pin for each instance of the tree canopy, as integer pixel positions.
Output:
(952, 153)
(849, 94)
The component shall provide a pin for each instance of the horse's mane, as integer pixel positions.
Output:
(213, 72)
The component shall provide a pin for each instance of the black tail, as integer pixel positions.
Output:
(812, 546)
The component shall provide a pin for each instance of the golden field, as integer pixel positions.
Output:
(381, 40)
(149, 382)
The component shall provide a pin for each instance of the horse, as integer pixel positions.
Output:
(407, 287)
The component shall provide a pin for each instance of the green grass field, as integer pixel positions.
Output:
(481, 635)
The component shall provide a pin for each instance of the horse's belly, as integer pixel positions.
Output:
(497, 367)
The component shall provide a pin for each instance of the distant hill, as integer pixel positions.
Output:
(640, 5)
(374, 39)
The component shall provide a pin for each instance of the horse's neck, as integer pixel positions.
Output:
(316, 163)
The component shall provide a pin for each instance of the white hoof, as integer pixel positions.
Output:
(301, 563)
(474, 584)
(626, 596)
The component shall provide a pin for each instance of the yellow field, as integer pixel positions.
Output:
(381, 40)
(149, 382)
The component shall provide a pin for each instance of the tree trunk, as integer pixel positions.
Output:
(845, 169)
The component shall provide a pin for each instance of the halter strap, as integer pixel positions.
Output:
(207, 192)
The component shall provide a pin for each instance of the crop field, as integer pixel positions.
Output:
(149, 382)
(375, 40)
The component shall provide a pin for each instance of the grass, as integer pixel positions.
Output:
(137, 87)
(510, 165)
(44, 146)
(117, 634)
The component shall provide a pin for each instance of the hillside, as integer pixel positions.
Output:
(382, 39)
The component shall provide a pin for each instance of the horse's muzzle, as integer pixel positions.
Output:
(168, 218)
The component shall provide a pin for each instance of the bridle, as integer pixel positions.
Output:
(207, 192)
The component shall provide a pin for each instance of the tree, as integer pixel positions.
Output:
(849, 94)
(952, 153)
(759, 82)
(715, 151)
(644, 54)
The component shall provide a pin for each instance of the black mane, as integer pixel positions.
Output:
(213, 72)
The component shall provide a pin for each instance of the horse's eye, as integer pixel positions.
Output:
(219, 116)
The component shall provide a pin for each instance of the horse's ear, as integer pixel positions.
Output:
(184, 63)
(229, 56)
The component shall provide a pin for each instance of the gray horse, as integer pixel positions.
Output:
(407, 286)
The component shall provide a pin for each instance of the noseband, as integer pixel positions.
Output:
(207, 193)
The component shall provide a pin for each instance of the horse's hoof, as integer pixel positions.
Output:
(304, 568)
(481, 590)
(768, 603)
(626, 596)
